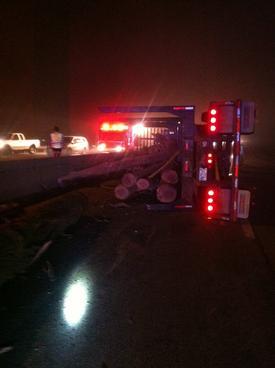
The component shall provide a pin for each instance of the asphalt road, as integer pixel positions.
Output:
(128, 288)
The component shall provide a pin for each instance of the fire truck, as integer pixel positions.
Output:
(209, 154)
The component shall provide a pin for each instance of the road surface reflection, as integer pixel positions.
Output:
(77, 298)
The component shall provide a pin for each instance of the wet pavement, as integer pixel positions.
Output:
(129, 288)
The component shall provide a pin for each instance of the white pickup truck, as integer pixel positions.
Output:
(17, 142)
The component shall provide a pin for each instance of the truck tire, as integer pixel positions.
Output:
(69, 152)
(32, 149)
(7, 151)
(84, 152)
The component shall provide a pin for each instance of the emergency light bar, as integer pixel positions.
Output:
(114, 126)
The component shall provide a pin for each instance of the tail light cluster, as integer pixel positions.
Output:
(210, 160)
(212, 120)
(210, 200)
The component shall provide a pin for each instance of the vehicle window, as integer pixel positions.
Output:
(67, 140)
(15, 137)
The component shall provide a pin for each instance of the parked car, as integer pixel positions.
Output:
(17, 142)
(75, 144)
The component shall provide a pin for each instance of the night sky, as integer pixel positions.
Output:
(59, 62)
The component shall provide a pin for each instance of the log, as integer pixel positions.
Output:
(111, 168)
(169, 176)
(143, 184)
(122, 193)
(129, 180)
(166, 193)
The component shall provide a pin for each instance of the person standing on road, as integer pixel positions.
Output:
(56, 142)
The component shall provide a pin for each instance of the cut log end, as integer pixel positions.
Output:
(129, 180)
(166, 193)
(169, 176)
(121, 192)
(143, 184)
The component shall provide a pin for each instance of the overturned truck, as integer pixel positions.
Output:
(183, 165)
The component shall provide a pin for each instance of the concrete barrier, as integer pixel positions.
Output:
(22, 178)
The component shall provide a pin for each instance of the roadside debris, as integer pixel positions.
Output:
(40, 224)
(6, 349)
(42, 250)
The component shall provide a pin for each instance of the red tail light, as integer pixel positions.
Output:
(210, 200)
(210, 159)
(212, 120)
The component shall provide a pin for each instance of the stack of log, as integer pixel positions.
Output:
(164, 187)
(167, 190)
(154, 172)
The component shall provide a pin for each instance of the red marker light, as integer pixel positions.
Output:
(213, 120)
(210, 161)
(213, 111)
(210, 200)
(211, 192)
(213, 128)
(186, 166)
(209, 155)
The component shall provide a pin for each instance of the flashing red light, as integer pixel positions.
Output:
(115, 127)
(210, 161)
(213, 120)
(211, 192)
(213, 128)
(213, 111)
(105, 126)
(210, 208)
(210, 155)
(210, 200)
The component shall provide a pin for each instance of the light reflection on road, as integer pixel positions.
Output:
(76, 301)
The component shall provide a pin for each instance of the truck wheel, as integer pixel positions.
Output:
(32, 149)
(7, 151)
